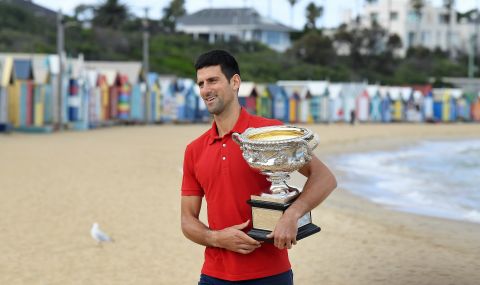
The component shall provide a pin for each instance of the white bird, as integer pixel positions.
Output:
(98, 235)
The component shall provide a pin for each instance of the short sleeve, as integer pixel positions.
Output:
(190, 185)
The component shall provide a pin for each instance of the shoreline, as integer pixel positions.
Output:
(128, 180)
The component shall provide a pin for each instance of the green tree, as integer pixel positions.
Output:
(314, 48)
(110, 14)
(313, 12)
(171, 13)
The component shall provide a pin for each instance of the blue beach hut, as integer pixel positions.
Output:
(375, 103)
(386, 104)
(299, 97)
(438, 96)
(280, 102)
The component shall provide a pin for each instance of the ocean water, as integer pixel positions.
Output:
(435, 178)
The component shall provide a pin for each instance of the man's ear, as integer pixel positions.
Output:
(235, 82)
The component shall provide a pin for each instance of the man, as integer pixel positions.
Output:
(214, 168)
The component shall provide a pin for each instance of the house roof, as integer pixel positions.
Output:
(232, 16)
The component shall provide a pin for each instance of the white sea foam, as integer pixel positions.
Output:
(438, 178)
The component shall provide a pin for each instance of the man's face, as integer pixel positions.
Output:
(217, 92)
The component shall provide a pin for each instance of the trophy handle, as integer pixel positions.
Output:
(236, 138)
(311, 145)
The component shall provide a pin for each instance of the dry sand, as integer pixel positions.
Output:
(53, 187)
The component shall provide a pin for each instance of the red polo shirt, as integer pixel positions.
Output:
(214, 167)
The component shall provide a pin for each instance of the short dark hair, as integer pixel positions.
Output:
(228, 64)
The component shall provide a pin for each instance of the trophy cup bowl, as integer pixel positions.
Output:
(277, 151)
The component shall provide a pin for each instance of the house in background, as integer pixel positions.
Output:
(244, 24)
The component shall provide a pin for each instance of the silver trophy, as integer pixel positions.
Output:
(277, 151)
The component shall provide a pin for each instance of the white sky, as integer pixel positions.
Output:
(334, 10)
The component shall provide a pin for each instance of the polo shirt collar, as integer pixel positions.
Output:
(240, 126)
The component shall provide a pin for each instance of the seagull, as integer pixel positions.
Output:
(98, 235)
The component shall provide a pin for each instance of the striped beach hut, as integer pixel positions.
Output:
(247, 96)
(350, 92)
(475, 107)
(280, 102)
(4, 80)
(438, 100)
(362, 106)
(335, 102)
(154, 98)
(396, 103)
(463, 107)
(375, 103)
(319, 100)
(20, 93)
(298, 94)
(386, 104)
(264, 101)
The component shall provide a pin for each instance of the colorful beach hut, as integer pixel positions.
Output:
(396, 103)
(464, 106)
(280, 102)
(20, 93)
(247, 96)
(362, 106)
(350, 92)
(475, 107)
(335, 112)
(375, 103)
(319, 100)
(298, 94)
(386, 104)
(264, 101)
(5, 64)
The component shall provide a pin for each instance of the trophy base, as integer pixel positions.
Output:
(303, 232)
(265, 216)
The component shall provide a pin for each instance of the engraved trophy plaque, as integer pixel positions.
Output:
(277, 151)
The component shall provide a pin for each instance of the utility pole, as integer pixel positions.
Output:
(60, 50)
(145, 65)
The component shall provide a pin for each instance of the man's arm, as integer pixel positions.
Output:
(231, 238)
(320, 183)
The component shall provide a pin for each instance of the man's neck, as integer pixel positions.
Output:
(227, 120)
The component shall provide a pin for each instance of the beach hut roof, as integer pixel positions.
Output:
(353, 89)
(456, 93)
(76, 66)
(130, 68)
(372, 90)
(276, 90)
(317, 88)
(395, 93)
(39, 64)
(246, 89)
(261, 88)
(6, 64)
(406, 92)
(417, 95)
(295, 87)
(334, 90)
(91, 77)
(22, 69)
(53, 64)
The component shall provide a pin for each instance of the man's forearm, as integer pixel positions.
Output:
(319, 185)
(197, 231)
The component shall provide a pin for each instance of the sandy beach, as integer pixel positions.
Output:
(53, 187)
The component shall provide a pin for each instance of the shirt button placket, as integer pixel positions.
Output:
(223, 152)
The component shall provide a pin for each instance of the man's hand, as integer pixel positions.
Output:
(285, 233)
(234, 239)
